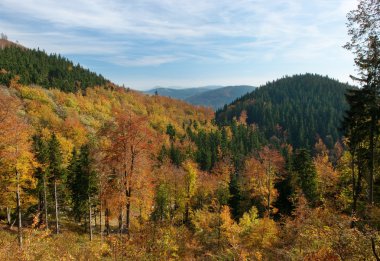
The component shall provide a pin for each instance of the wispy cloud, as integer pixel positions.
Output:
(147, 33)
(141, 61)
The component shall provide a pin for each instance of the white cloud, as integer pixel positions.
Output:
(141, 61)
(137, 33)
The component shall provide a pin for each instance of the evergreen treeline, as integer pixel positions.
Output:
(48, 71)
(213, 145)
(298, 108)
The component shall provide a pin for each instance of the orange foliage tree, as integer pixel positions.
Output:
(130, 143)
(16, 160)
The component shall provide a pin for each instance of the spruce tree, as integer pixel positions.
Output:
(364, 29)
(55, 172)
(41, 150)
(306, 175)
(83, 185)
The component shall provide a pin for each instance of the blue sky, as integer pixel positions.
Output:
(188, 43)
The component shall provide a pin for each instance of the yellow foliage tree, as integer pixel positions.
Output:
(16, 160)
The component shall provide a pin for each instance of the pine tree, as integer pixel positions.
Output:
(41, 150)
(83, 185)
(75, 184)
(363, 27)
(55, 172)
(306, 175)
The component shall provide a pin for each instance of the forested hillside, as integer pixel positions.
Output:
(158, 180)
(48, 71)
(299, 108)
(92, 171)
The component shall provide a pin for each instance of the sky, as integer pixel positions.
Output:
(188, 43)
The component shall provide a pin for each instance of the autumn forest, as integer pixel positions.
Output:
(90, 170)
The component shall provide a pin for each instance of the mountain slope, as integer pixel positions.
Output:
(48, 71)
(75, 117)
(296, 108)
(219, 97)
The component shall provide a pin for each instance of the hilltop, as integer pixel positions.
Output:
(46, 70)
(298, 108)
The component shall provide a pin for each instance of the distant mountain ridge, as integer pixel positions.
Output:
(180, 93)
(213, 96)
(219, 97)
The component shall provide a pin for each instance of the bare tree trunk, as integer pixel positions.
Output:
(128, 210)
(107, 221)
(45, 203)
(358, 187)
(219, 224)
(19, 226)
(129, 191)
(9, 221)
(95, 221)
(268, 197)
(85, 224)
(187, 212)
(269, 184)
(372, 161)
(120, 221)
(100, 219)
(56, 208)
(90, 217)
(353, 183)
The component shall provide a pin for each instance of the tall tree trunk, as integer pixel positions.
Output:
(128, 209)
(129, 191)
(9, 221)
(90, 217)
(269, 191)
(120, 221)
(107, 219)
(358, 187)
(85, 224)
(219, 224)
(56, 207)
(100, 219)
(19, 225)
(372, 160)
(40, 203)
(45, 202)
(353, 184)
(95, 221)
(187, 213)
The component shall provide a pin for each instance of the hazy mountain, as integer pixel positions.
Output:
(219, 97)
(211, 96)
(182, 94)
